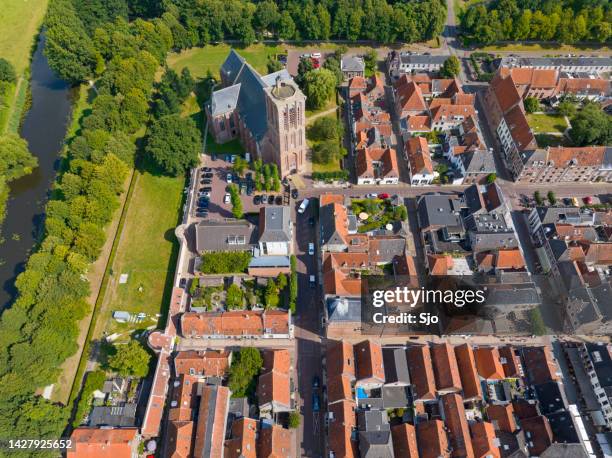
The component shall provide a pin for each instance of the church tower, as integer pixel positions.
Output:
(286, 133)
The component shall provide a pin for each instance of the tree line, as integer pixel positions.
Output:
(542, 20)
(40, 330)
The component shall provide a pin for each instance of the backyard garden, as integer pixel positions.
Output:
(377, 213)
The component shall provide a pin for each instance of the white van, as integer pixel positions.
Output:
(311, 249)
(303, 206)
(313, 281)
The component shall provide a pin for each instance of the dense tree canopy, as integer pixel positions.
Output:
(7, 71)
(174, 143)
(451, 67)
(319, 87)
(130, 360)
(591, 126)
(15, 158)
(518, 20)
(245, 367)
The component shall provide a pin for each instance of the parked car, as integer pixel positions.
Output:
(316, 55)
(312, 281)
(311, 221)
(316, 382)
(227, 198)
(233, 158)
(303, 206)
(279, 200)
(588, 200)
(206, 169)
(294, 193)
(249, 190)
(202, 214)
(372, 195)
(249, 176)
(257, 199)
(229, 178)
(384, 195)
(270, 200)
(316, 63)
(311, 249)
(204, 194)
(183, 283)
(206, 181)
(264, 198)
(207, 175)
(213, 157)
(316, 402)
(228, 158)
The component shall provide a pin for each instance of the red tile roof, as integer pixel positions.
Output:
(180, 437)
(339, 389)
(273, 385)
(409, 96)
(419, 156)
(275, 442)
(505, 92)
(502, 416)
(243, 439)
(369, 360)
(593, 86)
(209, 363)
(103, 443)
(340, 430)
(419, 123)
(245, 322)
(519, 129)
(511, 364)
(183, 400)
(210, 430)
(439, 264)
(488, 363)
(581, 156)
(535, 78)
(432, 439)
(445, 367)
(467, 371)
(538, 433)
(404, 441)
(386, 156)
(340, 359)
(483, 440)
(455, 419)
(421, 372)
(539, 364)
(510, 260)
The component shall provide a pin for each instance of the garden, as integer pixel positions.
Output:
(377, 213)
(324, 137)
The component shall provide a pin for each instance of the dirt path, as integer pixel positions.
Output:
(321, 114)
(63, 386)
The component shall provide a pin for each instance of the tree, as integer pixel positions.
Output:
(246, 365)
(451, 67)
(15, 159)
(239, 166)
(531, 104)
(266, 17)
(552, 199)
(319, 87)
(174, 143)
(233, 297)
(293, 284)
(271, 294)
(7, 71)
(567, 108)
(325, 128)
(327, 151)
(537, 323)
(294, 420)
(332, 63)
(371, 60)
(130, 360)
(538, 198)
(491, 177)
(304, 67)
(274, 65)
(591, 126)
(281, 281)
(236, 201)
(286, 26)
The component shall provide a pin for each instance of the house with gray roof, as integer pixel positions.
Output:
(225, 235)
(374, 434)
(352, 66)
(275, 231)
(395, 363)
(399, 63)
(266, 113)
(563, 64)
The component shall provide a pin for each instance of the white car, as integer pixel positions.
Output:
(233, 158)
(229, 178)
(316, 55)
(311, 249)
(227, 198)
(372, 195)
(303, 206)
(313, 281)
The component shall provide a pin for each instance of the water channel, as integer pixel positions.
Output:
(44, 128)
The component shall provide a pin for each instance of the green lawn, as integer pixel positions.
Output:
(330, 167)
(20, 20)
(210, 57)
(328, 106)
(231, 147)
(543, 123)
(544, 140)
(147, 252)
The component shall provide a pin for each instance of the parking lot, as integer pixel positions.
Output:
(210, 201)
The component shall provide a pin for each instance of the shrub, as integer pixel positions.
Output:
(225, 262)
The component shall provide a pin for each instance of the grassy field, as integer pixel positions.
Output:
(20, 21)
(544, 140)
(209, 58)
(231, 147)
(544, 123)
(147, 253)
(544, 48)
(330, 167)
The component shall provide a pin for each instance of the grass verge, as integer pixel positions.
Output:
(542, 123)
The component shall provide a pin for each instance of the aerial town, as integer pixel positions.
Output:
(224, 215)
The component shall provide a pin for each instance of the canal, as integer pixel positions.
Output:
(44, 128)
